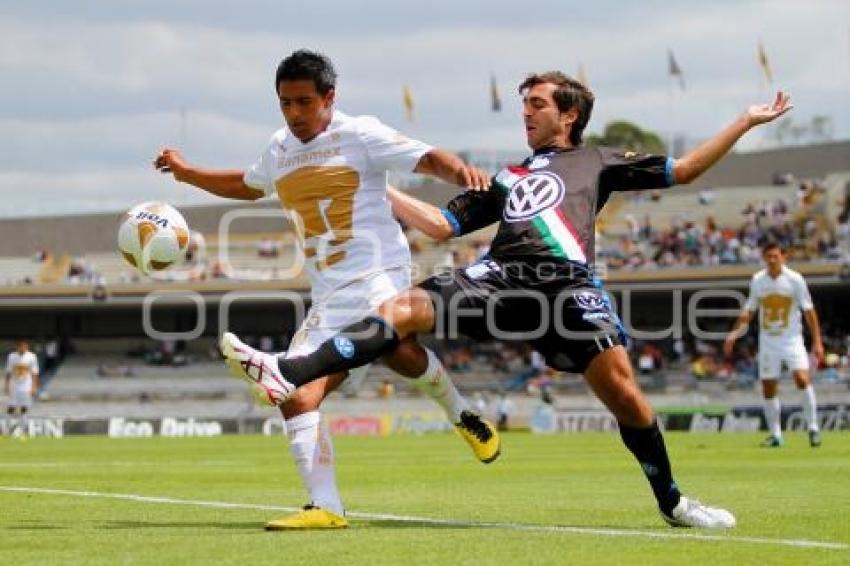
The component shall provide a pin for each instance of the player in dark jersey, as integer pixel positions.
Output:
(536, 283)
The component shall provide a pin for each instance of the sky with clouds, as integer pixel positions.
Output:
(92, 89)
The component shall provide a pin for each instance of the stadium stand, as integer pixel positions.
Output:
(92, 385)
(18, 270)
(52, 293)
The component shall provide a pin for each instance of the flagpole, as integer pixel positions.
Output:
(846, 76)
(183, 143)
(674, 71)
(670, 87)
(765, 84)
(409, 105)
(758, 82)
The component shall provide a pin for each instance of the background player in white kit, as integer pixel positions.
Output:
(780, 294)
(329, 171)
(21, 384)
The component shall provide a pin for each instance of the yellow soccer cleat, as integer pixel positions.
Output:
(481, 436)
(308, 518)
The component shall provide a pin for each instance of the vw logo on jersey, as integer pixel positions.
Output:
(589, 301)
(533, 194)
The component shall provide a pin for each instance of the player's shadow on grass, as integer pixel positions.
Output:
(34, 526)
(400, 524)
(394, 524)
(356, 523)
(127, 525)
(258, 525)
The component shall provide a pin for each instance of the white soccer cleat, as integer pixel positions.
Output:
(692, 513)
(259, 369)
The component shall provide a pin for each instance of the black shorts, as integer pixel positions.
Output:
(568, 325)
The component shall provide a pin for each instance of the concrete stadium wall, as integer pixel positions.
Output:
(758, 168)
(97, 232)
(646, 308)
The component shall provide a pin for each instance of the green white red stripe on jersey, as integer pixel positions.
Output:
(559, 234)
(507, 177)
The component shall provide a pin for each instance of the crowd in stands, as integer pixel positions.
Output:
(808, 228)
(267, 247)
(805, 229)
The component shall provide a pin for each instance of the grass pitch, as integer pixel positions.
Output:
(558, 499)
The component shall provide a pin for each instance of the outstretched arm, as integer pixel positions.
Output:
(425, 217)
(451, 169)
(227, 183)
(696, 162)
(467, 212)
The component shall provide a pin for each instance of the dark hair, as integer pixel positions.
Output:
(310, 66)
(772, 245)
(569, 93)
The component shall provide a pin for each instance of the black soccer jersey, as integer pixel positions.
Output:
(547, 206)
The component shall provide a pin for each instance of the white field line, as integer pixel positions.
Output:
(677, 535)
(114, 464)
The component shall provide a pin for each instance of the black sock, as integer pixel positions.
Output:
(356, 345)
(647, 444)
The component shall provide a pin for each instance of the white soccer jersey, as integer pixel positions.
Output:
(335, 188)
(21, 367)
(779, 302)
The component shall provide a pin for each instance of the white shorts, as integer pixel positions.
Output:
(772, 358)
(20, 398)
(346, 305)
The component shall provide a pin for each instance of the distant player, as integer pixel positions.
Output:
(329, 171)
(21, 384)
(779, 294)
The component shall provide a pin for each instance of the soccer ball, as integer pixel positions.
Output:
(153, 236)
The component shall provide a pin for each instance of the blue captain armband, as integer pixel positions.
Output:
(668, 171)
(453, 221)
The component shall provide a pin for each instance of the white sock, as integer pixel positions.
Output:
(772, 410)
(436, 384)
(19, 426)
(810, 407)
(311, 447)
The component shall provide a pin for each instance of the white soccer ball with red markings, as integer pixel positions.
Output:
(153, 236)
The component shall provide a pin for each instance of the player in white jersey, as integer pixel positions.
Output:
(329, 171)
(780, 294)
(21, 384)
